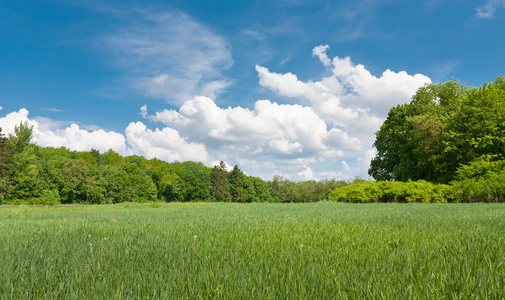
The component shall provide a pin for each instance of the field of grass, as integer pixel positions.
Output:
(254, 251)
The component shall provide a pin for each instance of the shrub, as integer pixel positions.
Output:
(387, 191)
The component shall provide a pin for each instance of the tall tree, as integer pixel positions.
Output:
(219, 182)
(237, 191)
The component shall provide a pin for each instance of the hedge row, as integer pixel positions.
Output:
(490, 188)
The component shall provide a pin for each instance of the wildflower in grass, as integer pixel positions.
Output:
(104, 238)
(195, 237)
(301, 245)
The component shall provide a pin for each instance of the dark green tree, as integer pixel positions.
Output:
(237, 191)
(5, 167)
(219, 182)
(196, 180)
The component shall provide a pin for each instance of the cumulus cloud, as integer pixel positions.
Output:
(164, 144)
(268, 129)
(268, 139)
(72, 137)
(170, 55)
(351, 98)
(306, 174)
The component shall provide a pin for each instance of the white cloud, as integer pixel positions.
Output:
(320, 51)
(306, 174)
(143, 111)
(13, 119)
(169, 55)
(164, 144)
(283, 146)
(75, 138)
(488, 10)
(48, 133)
(269, 128)
(351, 98)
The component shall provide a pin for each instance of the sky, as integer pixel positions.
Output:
(289, 87)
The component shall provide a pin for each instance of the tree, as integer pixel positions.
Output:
(5, 167)
(22, 137)
(196, 180)
(88, 158)
(410, 139)
(283, 190)
(444, 127)
(219, 182)
(110, 157)
(475, 129)
(237, 191)
(25, 171)
(172, 188)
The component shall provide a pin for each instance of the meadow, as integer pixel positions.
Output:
(322, 250)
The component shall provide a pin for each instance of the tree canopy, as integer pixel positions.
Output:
(445, 127)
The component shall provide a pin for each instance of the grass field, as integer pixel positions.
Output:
(254, 251)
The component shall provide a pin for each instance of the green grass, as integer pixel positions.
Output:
(254, 251)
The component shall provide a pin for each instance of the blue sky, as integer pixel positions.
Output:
(296, 88)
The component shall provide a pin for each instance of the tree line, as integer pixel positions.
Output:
(30, 174)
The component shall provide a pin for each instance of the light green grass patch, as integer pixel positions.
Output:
(253, 251)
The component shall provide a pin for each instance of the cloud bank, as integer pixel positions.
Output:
(331, 137)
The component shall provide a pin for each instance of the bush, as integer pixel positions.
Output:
(387, 191)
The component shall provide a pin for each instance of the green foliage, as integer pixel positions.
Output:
(5, 167)
(21, 137)
(237, 191)
(483, 167)
(483, 180)
(46, 175)
(387, 191)
(220, 190)
(173, 187)
(88, 158)
(443, 128)
(410, 140)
